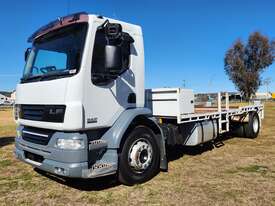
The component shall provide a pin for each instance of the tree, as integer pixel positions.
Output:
(244, 64)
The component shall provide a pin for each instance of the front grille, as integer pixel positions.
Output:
(36, 135)
(45, 113)
(32, 112)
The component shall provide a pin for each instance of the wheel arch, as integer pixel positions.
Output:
(140, 120)
(128, 120)
(115, 134)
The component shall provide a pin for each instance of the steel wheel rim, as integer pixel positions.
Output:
(140, 155)
(255, 125)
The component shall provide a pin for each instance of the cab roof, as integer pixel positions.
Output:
(80, 17)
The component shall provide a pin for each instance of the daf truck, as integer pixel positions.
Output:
(82, 110)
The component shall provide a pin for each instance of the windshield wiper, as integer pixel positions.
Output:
(45, 76)
(24, 79)
(54, 74)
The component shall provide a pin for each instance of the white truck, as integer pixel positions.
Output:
(82, 110)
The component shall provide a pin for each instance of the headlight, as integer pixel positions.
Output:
(72, 144)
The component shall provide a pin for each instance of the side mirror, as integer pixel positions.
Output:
(113, 59)
(27, 52)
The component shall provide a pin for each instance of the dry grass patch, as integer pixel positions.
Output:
(242, 172)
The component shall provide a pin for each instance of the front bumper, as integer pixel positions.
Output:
(54, 167)
(68, 163)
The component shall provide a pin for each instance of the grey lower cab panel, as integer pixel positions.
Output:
(69, 163)
(74, 170)
(98, 158)
(50, 151)
(64, 169)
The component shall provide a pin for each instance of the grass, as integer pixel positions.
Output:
(242, 172)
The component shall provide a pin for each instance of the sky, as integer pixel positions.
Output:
(185, 40)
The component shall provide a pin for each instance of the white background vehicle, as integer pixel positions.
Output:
(82, 110)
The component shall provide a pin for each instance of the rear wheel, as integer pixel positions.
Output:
(139, 157)
(248, 129)
(253, 127)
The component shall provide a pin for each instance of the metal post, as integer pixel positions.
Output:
(219, 102)
(226, 101)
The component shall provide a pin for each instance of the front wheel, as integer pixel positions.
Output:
(139, 157)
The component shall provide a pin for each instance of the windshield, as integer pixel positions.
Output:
(56, 54)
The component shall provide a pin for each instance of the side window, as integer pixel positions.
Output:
(100, 75)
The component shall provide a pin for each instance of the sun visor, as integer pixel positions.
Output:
(58, 23)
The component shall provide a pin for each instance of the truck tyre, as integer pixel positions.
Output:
(248, 129)
(139, 157)
(252, 128)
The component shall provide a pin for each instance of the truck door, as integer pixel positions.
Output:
(107, 94)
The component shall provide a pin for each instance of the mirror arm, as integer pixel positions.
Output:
(102, 26)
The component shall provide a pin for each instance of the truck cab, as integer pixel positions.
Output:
(82, 88)
(65, 72)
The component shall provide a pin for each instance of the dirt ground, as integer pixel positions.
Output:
(238, 172)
